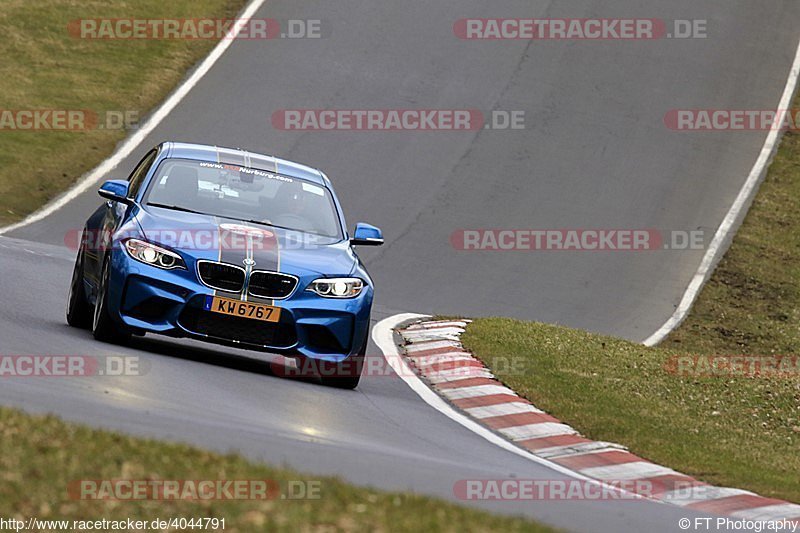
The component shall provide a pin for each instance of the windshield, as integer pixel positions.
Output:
(233, 191)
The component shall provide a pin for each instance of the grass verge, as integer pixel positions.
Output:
(40, 456)
(733, 431)
(47, 68)
(751, 304)
(729, 430)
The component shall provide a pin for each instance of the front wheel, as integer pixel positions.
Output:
(347, 374)
(79, 312)
(103, 327)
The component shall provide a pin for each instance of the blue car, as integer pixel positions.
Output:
(231, 247)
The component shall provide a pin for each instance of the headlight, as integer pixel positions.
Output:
(154, 255)
(337, 287)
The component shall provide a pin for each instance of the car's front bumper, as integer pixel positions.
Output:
(170, 302)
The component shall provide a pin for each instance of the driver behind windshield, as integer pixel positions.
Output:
(292, 206)
(228, 191)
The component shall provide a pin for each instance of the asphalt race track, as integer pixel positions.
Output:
(595, 153)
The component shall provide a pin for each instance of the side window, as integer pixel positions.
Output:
(137, 176)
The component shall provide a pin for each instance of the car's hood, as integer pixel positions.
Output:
(230, 241)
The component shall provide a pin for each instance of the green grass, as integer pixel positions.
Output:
(40, 456)
(741, 432)
(751, 304)
(44, 67)
(734, 431)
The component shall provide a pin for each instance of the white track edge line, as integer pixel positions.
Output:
(383, 338)
(745, 195)
(132, 142)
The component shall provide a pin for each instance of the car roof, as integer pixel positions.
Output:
(237, 156)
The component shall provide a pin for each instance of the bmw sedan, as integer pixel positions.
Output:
(231, 247)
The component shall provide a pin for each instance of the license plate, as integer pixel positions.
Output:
(226, 306)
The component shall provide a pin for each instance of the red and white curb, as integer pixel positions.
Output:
(434, 350)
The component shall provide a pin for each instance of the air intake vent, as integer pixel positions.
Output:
(221, 276)
(271, 284)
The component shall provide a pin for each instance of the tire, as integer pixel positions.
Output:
(103, 326)
(79, 312)
(347, 374)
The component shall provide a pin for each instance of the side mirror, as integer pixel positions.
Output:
(366, 235)
(116, 191)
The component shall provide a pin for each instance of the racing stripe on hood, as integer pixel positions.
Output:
(246, 245)
(234, 245)
(266, 250)
(251, 247)
(266, 254)
(219, 255)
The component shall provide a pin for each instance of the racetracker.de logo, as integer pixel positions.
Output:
(47, 119)
(550, 489)
(378, 119)
(193, 489)
(732, 119)
(578, 29)
(679, 491)
(729, 366)
(436, 368)
(226, 237)
(70, 366)
(577, 239)
(187, 29)
(21, 120)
